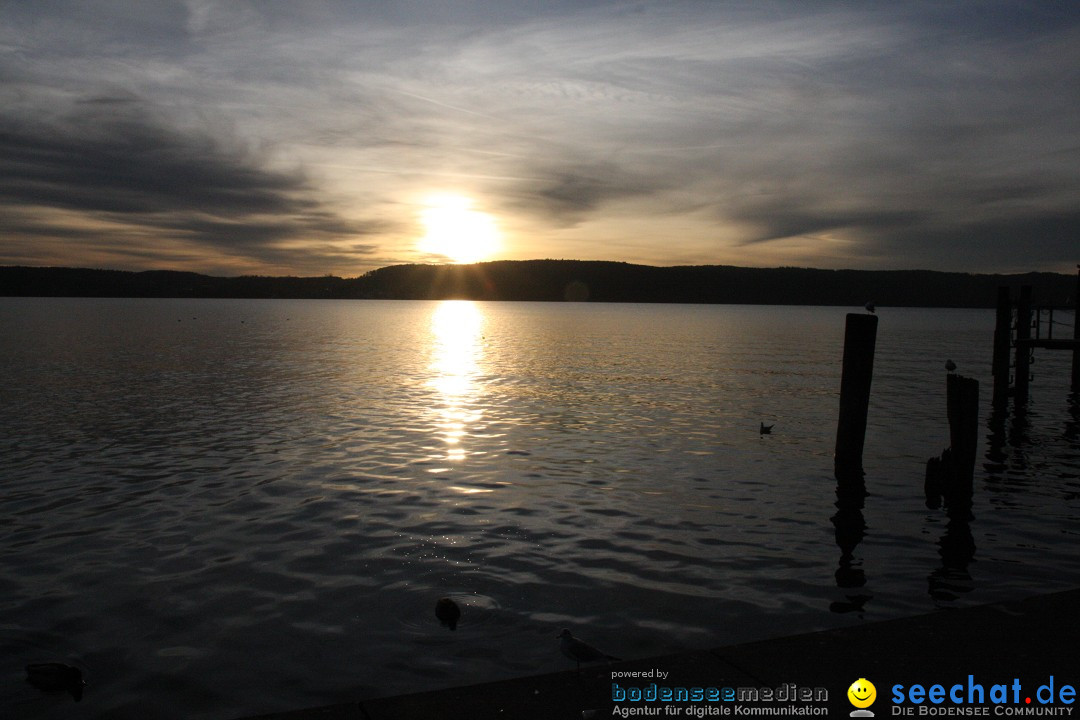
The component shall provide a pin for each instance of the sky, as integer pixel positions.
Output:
(312, 138)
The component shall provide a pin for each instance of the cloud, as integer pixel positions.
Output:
(782, 218)
(565, 194)
(131, 164)
(116, 160)
(1017, 243)
(916, 133)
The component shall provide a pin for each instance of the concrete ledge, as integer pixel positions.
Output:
(1029, 640)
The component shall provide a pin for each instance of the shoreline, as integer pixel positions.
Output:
(1021, 646)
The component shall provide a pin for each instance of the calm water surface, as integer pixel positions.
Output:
(222, 507)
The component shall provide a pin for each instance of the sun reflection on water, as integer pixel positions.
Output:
(456, 329)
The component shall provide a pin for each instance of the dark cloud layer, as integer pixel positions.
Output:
(132, 165)
(129, 167)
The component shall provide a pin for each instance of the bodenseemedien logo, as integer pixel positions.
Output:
(862, 695)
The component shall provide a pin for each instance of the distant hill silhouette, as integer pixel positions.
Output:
(560, 280)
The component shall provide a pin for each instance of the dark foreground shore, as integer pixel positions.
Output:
(1015, 659)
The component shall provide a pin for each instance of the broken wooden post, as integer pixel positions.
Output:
(962, 402)
(860, 337)
(952, 475)
(1002, 334)
(1023, 348)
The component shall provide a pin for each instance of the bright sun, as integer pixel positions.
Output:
(456, 231)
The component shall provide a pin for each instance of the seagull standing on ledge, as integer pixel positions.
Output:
(950, 365)
(869, 307)
(580, 651)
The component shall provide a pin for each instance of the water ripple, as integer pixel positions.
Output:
(183, 501)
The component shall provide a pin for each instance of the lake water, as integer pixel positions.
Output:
(224, 507)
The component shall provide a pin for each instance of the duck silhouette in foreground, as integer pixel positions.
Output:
(764, 429)
(56, 678)
(580, 651)
(448, 612)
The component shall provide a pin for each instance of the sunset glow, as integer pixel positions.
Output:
(455, 231)
(337, 138)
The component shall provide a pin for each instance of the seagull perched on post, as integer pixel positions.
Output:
(580, 651)
(950, 365)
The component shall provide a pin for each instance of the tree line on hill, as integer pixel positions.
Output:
(561, 280)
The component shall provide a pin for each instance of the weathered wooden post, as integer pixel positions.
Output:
(952, 475)
(1002, 337)
(1023, 348)
(962, 402)
(860, 338)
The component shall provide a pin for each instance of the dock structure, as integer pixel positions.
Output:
(1019, 330)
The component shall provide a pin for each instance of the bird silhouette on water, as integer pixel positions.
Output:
(764, 429)
(448, 612)
(56, 678)
(580, 651)
(950, 366)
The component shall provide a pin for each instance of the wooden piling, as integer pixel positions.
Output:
(860, 338)
(952, 475)
(1023, 349)
(962, 403)
(1002, 342)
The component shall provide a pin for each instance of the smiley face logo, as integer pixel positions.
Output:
(862, 693)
